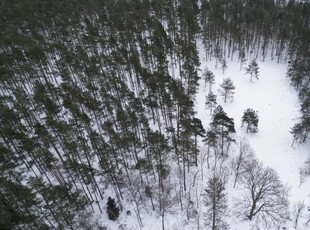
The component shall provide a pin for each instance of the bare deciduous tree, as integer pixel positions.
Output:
(205, 154)
(167, 198)
(210, 141)
(297, 212)
(244, 154)
(304, 172)
(308, 220)
(265, 199)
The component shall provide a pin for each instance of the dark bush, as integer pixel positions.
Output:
(112, 209)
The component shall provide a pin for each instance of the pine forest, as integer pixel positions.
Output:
(98, 120)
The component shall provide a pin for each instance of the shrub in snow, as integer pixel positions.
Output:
(112, 209)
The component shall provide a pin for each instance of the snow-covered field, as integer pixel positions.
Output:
(277, 105)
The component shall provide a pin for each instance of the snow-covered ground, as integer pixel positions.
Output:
(277, 105)
(278, 109)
